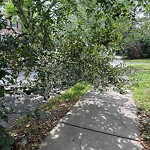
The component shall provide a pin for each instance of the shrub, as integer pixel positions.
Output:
(6, 141)
(134, 50)
(145, 48)
(138, 49)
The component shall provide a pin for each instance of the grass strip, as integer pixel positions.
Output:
(141, 94)
(74, 93)
(138, 60)
(141, 85)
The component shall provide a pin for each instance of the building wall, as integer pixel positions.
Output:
(10, 28)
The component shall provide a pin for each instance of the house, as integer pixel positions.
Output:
(12, 27)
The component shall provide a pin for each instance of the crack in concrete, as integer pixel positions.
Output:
(100, 131)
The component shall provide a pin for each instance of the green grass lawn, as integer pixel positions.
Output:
(139, 60)
(141, 84)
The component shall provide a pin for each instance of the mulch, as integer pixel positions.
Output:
(30, 136)
(144, 118)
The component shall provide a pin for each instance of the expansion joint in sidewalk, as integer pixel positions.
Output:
(76, 126)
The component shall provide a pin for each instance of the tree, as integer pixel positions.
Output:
(137, 43)
(71, 41)
(66, 41)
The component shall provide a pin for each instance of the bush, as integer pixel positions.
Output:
(6, 141)
(145, 48)
(138, 49)
(133, 50)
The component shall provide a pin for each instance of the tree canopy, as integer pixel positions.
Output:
(68, 41)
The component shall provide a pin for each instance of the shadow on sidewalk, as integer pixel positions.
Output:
(97, 122)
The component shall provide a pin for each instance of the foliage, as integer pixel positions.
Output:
(6, 141)
(133, 50)
(145, 47)
(137, 44)
(5, 144)
(73, 41)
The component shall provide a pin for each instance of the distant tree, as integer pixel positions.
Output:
(138, 41)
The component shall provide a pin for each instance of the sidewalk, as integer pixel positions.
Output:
(97, 122)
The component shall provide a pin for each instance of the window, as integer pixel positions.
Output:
(14, 24)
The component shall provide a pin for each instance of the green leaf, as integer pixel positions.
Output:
(6, 148)
(42, 115)
(24, 141)
(2, 73)
(5, 118)
(2, 91)
(10, 140)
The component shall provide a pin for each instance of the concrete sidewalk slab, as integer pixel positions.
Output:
(97, 122)
(111, 97)
(103, 113)
(66, 137)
